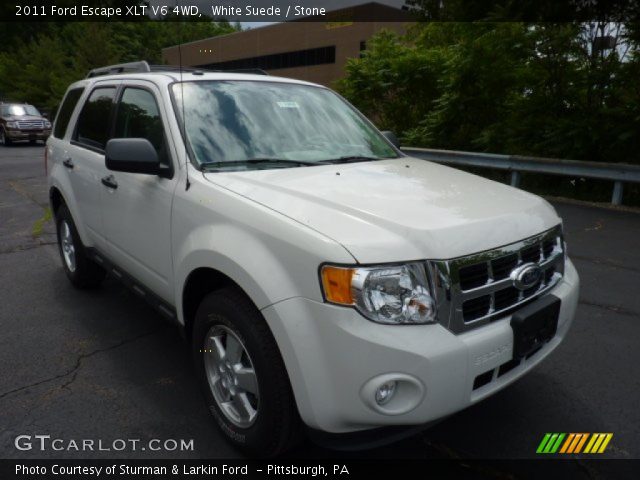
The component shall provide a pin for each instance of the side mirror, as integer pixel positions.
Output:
(392, 138)
(45, 115)
(133, 155)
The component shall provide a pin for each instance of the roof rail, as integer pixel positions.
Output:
(144, 67)
(177, 68)
(132, 67)
(172, 68)
(254, 71)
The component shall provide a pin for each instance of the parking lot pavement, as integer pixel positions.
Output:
(103, 365)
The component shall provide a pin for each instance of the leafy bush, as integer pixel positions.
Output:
(507, 87)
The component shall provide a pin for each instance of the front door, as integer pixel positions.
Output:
(137, 207)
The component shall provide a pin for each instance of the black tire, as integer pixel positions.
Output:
(87, 273)
(4, 140)
(277, 426)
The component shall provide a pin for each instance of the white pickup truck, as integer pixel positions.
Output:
(323, 278)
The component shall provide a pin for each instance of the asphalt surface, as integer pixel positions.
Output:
(103, 365)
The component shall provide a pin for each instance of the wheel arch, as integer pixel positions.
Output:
(61, 193)
(56, 200)
(198, 284)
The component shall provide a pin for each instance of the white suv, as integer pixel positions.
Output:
(322, 277)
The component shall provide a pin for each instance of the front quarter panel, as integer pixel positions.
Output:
(271, 257)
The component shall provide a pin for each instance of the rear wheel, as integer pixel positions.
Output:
(80, 269)
(243, 375)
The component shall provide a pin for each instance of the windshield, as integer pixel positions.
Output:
(247, 124)
(21, 110)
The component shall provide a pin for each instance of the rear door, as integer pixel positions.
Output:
(84, 158)
(137, 212)
(58, 150)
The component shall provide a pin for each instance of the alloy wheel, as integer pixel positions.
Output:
(68, 249)
(231, 376)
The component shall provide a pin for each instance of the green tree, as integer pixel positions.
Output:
(40, 68)
(507, 87)
(395, 83)
(480, 73)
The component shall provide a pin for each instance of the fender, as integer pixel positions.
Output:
(256, 266)
(270, 256)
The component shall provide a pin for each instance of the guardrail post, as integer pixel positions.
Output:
(616, 197)
(515, 178)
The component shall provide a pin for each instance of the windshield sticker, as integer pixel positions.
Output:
(288, 104)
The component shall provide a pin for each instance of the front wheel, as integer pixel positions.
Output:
(4, 140)
(243, 375)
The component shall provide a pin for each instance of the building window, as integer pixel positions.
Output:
(298, 58)
(363, 47)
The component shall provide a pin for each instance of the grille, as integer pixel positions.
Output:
(488, 376)
(31, 124)
(473, 290)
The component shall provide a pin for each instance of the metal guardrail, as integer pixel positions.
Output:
(619, 173)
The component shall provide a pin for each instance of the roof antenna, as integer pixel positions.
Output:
(184, 118)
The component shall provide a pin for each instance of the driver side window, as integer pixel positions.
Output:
(138, 116)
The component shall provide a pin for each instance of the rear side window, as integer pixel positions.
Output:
(138, 117)
(93, 123)
(64, 113)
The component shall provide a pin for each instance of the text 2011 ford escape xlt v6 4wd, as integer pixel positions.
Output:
(322, 277)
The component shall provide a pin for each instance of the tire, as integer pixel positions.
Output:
(80, 269)
(276, 426)
(4, 141)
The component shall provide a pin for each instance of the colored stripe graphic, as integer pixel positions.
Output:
(605, 442)
(555, 447)
(573, 443)
(596, 445)
(567, 443)
(581, 442)
(547, 448)
(543, 443)
(576, 439)
(592, 441)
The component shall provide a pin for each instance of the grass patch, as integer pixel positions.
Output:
(38, 226)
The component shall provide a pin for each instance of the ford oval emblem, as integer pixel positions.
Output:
(526, 276)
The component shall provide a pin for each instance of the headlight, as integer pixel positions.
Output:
(47, 124)
(12, 124)
(386, 294)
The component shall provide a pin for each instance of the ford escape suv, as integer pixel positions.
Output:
(22, 122)
(323, 278)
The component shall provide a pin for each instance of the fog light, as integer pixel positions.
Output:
(385, 392)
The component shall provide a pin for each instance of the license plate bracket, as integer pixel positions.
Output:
(534, 325)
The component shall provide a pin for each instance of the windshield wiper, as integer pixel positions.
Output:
(351, 159)
(252, 161)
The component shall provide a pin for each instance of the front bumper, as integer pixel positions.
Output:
(17, 135)
(334, 358)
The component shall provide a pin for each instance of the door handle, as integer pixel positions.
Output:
(67, 162)
(109, 181)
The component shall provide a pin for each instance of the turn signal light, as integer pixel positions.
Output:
(336, 282)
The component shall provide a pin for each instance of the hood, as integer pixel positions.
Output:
(22, 118)
(397, 210)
